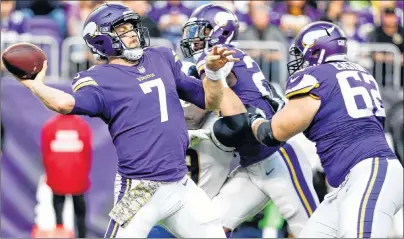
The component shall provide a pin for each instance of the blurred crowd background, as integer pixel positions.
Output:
(267, 28)
(274, 21)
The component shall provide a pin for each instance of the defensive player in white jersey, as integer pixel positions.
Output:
(208, 165)
(337, 104)
(280, 173)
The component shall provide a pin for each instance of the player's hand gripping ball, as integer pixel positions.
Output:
(23, 60)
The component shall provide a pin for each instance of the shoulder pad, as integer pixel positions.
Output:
(82, 79)
(300, 83)
(175, 55)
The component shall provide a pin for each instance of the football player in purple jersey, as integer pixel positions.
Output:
(337, 104)
(137, 93)
(281, 173)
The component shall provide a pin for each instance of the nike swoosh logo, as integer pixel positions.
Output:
(293, 79)
(185, 183)
(76, 77)
(267, 173)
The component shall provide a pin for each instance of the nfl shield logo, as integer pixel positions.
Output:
(141, 69)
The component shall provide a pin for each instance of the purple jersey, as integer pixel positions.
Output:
(251, 88)
(161, 9)
(142, 108)
(349, 125)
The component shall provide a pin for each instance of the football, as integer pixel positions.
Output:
(23, 60)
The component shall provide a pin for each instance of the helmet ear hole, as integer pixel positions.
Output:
(315, 53)
(226, 33)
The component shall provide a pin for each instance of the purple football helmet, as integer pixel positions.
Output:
(317, 43)
(100, 35)
(208, 25)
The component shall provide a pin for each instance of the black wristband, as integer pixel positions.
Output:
(265, 135)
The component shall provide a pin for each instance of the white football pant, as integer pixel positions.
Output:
(285, 177)
(181, 206)
(363, 205)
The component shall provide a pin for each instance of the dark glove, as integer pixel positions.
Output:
(254, 113)
(275, 100)
(276, 104)
(192, 71)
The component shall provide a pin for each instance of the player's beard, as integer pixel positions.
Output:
(133, 54)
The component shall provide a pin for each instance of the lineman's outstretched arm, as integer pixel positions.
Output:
(294, 118)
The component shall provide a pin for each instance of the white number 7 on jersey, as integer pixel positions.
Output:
(147, 88)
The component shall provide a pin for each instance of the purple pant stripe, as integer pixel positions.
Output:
(370, 196)
(125, 185)
(294, 166)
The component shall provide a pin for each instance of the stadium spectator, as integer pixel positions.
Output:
(389, 32)
(11, 20)
(80, 57)
(72, 11)
(66, 151)
(379, 7)
(241, 10)
(170, 16)
(363, 14)
(6, 8)
(333, 11)
(227, 4)
(261, 29)
(11, 25)
(143, 8)
(348, 21)
(85, 8)
(292, 15)
(51, 9)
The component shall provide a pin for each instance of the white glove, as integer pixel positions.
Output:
(196, 136)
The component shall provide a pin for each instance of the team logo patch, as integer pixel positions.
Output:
(141, 69)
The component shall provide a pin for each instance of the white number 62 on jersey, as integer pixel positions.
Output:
(371, 97)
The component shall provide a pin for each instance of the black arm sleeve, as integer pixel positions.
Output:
(229, 130)
(265, 135)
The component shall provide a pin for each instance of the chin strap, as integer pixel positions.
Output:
(132, 54)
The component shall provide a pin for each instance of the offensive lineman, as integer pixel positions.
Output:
(337, 104)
